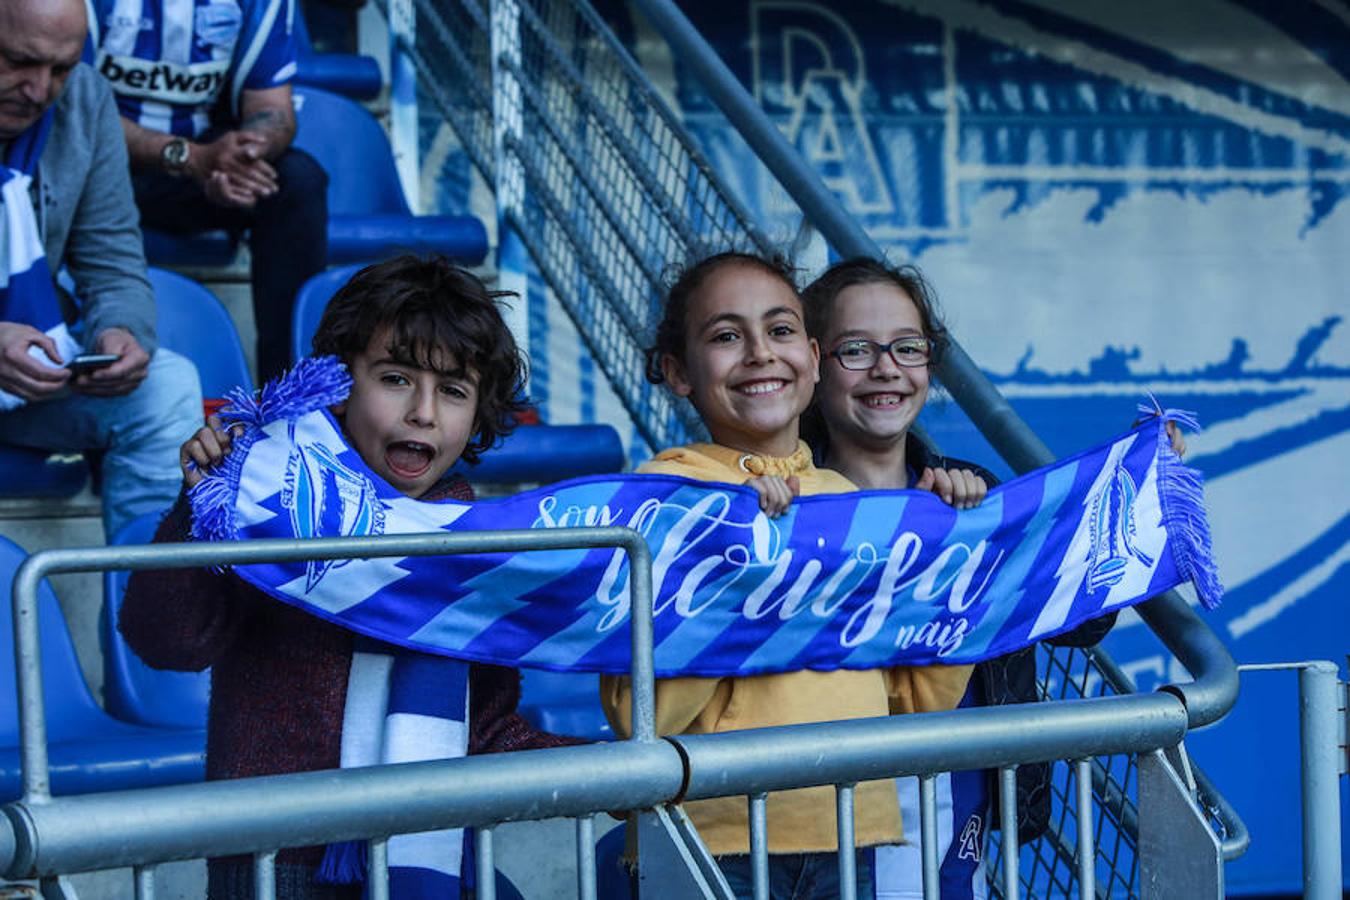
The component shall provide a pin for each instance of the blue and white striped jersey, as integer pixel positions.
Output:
(172, 62)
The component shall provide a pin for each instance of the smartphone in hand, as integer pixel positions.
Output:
(88, 362)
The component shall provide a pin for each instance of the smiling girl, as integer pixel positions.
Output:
(733, 340)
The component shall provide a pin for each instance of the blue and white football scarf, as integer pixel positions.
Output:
(859, 581)
(403, 706)
(27, 294)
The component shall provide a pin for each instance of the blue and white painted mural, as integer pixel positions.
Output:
(1112, 199)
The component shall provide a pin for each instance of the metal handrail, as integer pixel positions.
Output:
(28, 657)
(135, 828)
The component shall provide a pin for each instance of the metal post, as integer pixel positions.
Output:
(1318, 714)
(265, 875)
(485, 864)
(848, 869)
(377, 869)
(586, 857)
(1087, 852)
(403, 100)
(928, 835)
(644, 666)
(145, 882)
(1007, 815)
(759, 846)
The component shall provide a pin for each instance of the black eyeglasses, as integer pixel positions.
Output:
(909, 351)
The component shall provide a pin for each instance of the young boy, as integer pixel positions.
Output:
(435, 378)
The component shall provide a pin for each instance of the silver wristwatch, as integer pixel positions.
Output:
(174, 155)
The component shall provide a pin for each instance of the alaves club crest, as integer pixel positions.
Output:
(1113, 532)
(326, 498)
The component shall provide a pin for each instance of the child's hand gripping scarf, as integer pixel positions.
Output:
(27, 294)
(860, 581)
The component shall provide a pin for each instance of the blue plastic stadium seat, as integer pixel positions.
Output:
(343, 73)
(193, 323)
(368, 214)
(564, 703)
(544, 453)
(533, 453)
(310, 303)
(132, 691)
(89, 750)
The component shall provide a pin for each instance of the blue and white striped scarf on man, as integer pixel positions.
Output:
(27, 294)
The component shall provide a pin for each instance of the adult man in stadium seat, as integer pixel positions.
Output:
(205, 96)
(67, 199)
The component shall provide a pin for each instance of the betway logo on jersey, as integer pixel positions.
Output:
(191, 85)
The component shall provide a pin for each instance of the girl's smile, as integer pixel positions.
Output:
(875, 406)
(749, 367)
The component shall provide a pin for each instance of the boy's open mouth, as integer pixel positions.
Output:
(409, 458)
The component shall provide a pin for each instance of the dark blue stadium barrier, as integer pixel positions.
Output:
(343, 73)
(540, 454)
(132, 691)
(376, 236)
(206, 250)
(351, 76)
(89, 749)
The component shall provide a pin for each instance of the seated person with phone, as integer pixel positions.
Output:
(86, 375)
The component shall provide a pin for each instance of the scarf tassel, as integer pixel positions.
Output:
(343, 863)
(1181, 494)
(313, 383)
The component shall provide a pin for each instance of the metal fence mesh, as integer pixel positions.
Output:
(613, 193)
(1048, 866)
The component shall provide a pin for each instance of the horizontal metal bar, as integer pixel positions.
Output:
(197, 554)
(28, 654)
(124, 828)
(1215, 689)
(775, 759)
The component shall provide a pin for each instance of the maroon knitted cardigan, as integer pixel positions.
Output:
(279, 675)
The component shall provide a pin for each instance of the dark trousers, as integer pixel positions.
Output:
(288, 239)
(797, 876)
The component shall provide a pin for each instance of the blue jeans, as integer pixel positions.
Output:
(796, 876)
(140, 435)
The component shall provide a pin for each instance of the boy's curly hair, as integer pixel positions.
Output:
(671, 330)
(432, 309)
